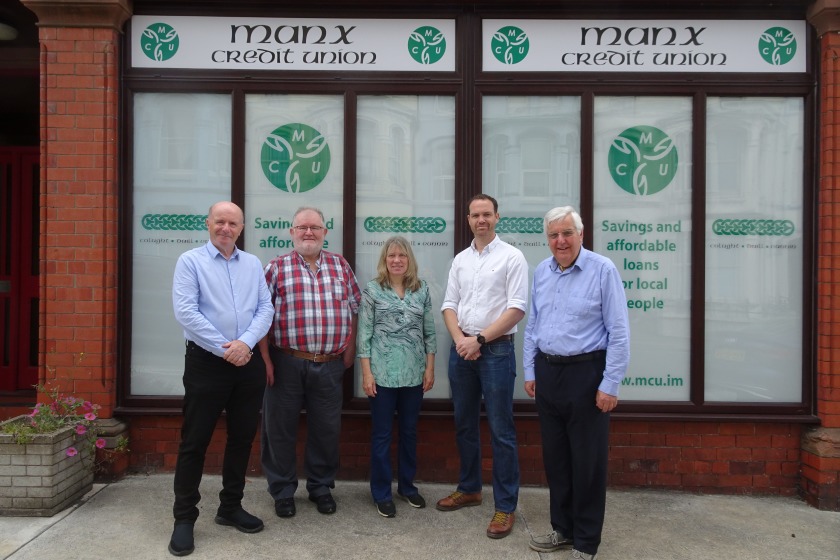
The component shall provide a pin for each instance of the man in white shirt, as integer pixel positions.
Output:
(486, 296)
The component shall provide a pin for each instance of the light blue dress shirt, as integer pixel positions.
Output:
(579, 310)
(217, 300)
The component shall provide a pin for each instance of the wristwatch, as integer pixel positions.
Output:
(480, 338)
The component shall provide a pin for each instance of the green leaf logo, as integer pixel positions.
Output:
(426, 45)
(159, 41)
(295, 158)
(509, 45)
(777, 46)
(643, 160)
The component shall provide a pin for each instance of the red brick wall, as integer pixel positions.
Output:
(821, 446)
(78, 284)
(707, 457)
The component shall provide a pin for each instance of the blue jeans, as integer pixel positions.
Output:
(492, 375)
(405, 401)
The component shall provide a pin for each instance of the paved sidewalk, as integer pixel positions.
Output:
(131, 519)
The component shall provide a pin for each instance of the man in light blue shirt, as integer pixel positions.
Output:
(576, 352)
(222, 302)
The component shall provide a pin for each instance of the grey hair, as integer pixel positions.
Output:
(313, 209)
(560, 213)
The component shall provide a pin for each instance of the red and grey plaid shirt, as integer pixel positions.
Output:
(313, 311)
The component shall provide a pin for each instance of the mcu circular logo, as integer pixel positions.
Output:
(777, 46)
(642, 160)
(159, 41)
(509, 45)
(295, 158)
(426, 45)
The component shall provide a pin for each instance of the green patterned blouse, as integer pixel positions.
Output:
(396, 334)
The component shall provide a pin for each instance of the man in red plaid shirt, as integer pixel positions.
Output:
(310, 344)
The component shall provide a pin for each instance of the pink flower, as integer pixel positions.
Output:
(81, 430)
(90, 416)
(100, 443)
(72, 452)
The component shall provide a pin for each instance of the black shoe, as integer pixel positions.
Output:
(285, 507)
(325, 503)
(240, 519)
(415, 500)
(386, 508)
(182, 542)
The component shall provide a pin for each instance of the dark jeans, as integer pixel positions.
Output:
(492, 376)
(405, 401)
(212, 385)
(318, 388)
(575, 439)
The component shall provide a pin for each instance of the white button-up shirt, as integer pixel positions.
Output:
(484, 285)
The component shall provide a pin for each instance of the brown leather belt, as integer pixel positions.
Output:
(503, 338)
(317, 358)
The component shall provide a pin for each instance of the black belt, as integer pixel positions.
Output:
(585, 357)
(191, 344)
(503, 338)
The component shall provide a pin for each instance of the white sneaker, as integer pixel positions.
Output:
(578, 555)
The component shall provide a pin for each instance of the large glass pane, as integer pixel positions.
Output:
(294, 148)
(642, 221)
(530, 164)
(754, 231)
(181, 166)
(405, 186)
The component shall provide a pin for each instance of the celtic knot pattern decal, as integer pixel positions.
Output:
(753, 227)
(176, 222)
(404, 224)
(519, 225)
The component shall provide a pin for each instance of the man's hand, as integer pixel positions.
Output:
(237, 353)
(269, 373)
(605, 402)
(531, 388)
(468, 348)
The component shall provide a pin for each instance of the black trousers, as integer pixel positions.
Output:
(575, 438)
(212, 385)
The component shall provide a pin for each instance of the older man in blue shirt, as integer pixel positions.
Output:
(222, 302)
(576, 352)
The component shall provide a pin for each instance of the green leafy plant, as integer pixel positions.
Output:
(122, 445)
(59, 411)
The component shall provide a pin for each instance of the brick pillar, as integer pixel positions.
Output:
(821, 445)
(79, 67)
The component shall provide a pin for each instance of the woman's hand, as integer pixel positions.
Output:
(368, 384)
(428, 379)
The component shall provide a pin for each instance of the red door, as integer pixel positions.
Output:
(19, 230)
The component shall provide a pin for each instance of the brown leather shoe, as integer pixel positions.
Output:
(457, 500)
(501, 525)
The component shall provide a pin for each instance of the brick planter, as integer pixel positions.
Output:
(38, 478)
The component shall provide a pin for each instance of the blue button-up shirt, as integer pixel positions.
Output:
(219, 300)
(579, 310)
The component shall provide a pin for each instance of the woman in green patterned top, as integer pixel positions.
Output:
(396, 346)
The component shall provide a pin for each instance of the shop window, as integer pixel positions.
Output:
(424, 214)
(754, 250)
(182, 162)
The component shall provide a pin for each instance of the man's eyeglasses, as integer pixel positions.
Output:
(304, 229)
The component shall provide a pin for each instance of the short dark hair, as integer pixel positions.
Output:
(482, 196)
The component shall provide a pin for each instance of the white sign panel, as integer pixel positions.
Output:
(337, 45)
(763, 46)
